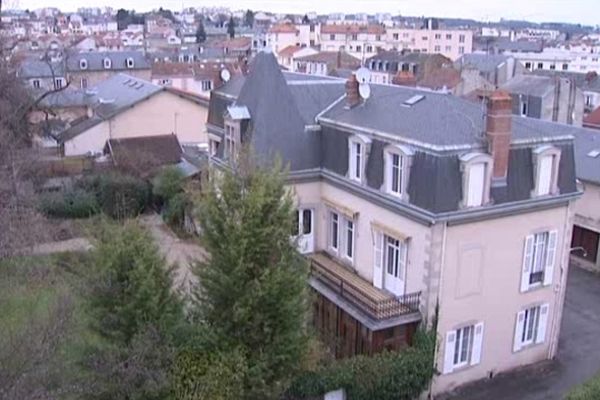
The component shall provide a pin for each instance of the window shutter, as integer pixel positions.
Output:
(550, 258)
(477, 344)
(378, 260)
(449, 352)
(527, 258)
(541, 332)
(518, 331)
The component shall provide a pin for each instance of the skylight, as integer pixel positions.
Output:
(594, 153)
(413, 100)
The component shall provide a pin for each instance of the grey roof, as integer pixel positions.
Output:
(519, 45)
(95, 60)
(531, 85)
(40, 69)
(69, 97)
(588, 82)
(587, 140)
(482, 62)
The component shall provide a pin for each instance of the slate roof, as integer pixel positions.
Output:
(331, 58)
(69, 97)
(40, 69)
(587, 140)
(482, 62)
(519, 46)
(164, 149)
(95, 60)
(588, 82)
(531, 85)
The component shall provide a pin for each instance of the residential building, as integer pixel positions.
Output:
(592, 120)
(589, 83)
(554, 99)
(495, 68)
(89, 69)
(280, 36)
(325, 63)
(360, 41)
(451, 43)
(586, 229)
(386, 65)
(198, 78)
(414, 206)
(124, 107)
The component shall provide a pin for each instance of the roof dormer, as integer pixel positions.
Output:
(107, 63)
(129, 62)
(83, 64)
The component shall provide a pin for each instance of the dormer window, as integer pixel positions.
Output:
(477, 174)
(129, 62)
(83, 64)
(231, 142)
(546, 162)
(357, 157)
(397, 164)
(107, 63)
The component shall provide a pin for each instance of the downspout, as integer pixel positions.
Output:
(562, 290)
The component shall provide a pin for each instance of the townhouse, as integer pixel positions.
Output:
(360, 41)
(415, 206)
(451, 43)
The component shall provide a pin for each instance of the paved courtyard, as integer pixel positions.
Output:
(578, 351)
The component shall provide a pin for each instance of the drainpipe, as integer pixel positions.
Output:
(562, 289)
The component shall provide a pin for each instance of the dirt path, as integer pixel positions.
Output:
(63, 246)
(180, 252)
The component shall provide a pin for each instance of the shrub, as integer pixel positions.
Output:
(590, 390)
(73, 203)
(119, 196)
(388, 375)
(174, 211)
(167, 184)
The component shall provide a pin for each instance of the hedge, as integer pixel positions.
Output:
(590, 390)
(384, 376)
(119, 196)
(174, 210)
(72, 203)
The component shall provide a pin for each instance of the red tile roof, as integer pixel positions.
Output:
(353, 29)
(283, 28)
(592, 120)
(289, 51)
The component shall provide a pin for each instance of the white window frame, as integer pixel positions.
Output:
(349, 238)
(539, 256)
(206, 85)
(230, 140)
(467, 162)
(129, 62)
(343, 227)
(36, 83)
(530, 327)
(404, 155)
(334, 229)
(523, 107)
(83, 82)
(357, 160)
(539, 155)
(83, 64)
(107, 63)
(455, 345)
(58, 83)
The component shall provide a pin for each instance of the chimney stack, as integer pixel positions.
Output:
(352, 94)
(498, 129)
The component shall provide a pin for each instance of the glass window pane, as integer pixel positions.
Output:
(307, 222)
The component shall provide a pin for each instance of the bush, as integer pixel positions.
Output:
(174, 211)
(384, 376)
(590, 390)
(74, 203)
(119, 196)
(167, 184)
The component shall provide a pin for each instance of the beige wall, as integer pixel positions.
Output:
(587, 215)
(426, 41)
(161, 114)
(481, 283)
(95, 77)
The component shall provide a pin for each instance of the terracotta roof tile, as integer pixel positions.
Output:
(283, 28)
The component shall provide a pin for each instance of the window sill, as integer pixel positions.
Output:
(536, 287)
(461, 368)
(529, 346)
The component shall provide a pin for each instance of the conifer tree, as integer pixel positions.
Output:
(253, 289)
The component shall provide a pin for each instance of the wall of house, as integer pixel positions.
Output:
(587, 215)
(90, 141)
(162, 114)
(95, 77)
(187, 84)
(481, 283)
(314, 195)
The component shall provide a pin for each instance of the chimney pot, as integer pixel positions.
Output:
(499, 133)
(352, 94)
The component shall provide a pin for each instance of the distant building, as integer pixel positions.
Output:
(496, 69)
(451, 43)
(325, 63)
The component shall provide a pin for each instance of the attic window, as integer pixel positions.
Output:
(83, 64)
(130, 62)
(413, 100)
(107, 63)
(594, 153)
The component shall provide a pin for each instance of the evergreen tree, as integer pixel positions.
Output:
(305, 20)
(253, 289)
(231, 27)
(200, 33)
(249, 18)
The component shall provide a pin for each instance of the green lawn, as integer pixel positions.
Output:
(588, 391)
(42, 324)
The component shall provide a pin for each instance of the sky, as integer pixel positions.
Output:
(574, 11)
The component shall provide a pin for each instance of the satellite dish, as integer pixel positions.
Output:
(225, 75)
(364, 90)
(363, 75)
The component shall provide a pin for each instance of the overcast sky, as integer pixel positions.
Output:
(576, 11)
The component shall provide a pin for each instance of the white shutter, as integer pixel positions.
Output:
(449, 352)
(550, 258)
(519, 331)
(527, 258)
(475, 185)
(378, 260)
(541, 331)
(477, 344)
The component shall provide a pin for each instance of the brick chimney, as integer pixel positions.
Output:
(352, 95)
(498, 130)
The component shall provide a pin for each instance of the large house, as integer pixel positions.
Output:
(126, 107)
(413, 206)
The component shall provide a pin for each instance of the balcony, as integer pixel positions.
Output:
(376, 304)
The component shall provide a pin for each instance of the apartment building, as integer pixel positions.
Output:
(410, 200)
(450, 43)
(360, 41)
